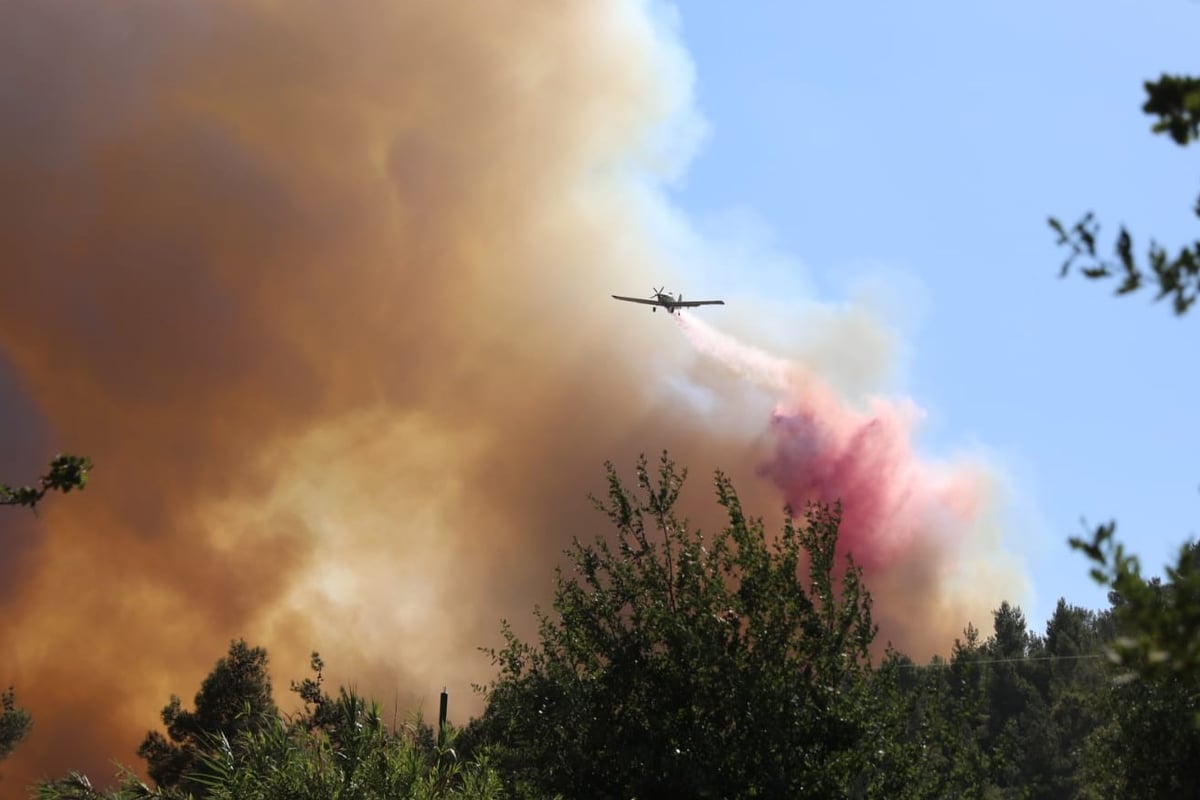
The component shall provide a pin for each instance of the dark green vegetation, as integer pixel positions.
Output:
(236, 745)
(676, 663)
(734, 664)
(234, 699)
(66, 472)
(15, 723)
(1160, 622)
(1175, 101)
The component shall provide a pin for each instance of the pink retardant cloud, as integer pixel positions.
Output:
(892, 500)
(920, 528)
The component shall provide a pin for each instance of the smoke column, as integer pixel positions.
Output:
(924, 532)
(323, 291)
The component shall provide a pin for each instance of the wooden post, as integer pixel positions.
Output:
(442, 717)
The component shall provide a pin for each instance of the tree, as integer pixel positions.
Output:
(337, 748)
(66, 472)
(1158, 625)
(1150, 745)
(1175, 100)
(15, 723)
(326, 714)
(354, 757)
(678, 664)
(1077, 692)
(934, 719)
(1021, 737)
(320, 710)
(235, 697)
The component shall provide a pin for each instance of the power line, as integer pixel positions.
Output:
(1001, 660)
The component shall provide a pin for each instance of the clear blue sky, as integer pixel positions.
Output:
(931, 141)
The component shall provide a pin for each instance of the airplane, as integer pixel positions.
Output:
(660, 297)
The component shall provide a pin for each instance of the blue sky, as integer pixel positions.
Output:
(927, 143)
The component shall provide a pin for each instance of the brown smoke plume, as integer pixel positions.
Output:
(323, 291)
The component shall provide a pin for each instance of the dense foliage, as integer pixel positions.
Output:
(736, 666)
(234, 699)
(1161, 623)
(676, 662)
(359, 758)
(334, 749)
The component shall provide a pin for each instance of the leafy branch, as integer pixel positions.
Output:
(66, 472)
(1160, 622)
(1176, 103)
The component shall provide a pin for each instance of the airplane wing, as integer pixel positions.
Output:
(637, 300)
(694, 303)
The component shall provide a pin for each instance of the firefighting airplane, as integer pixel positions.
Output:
(661, 297)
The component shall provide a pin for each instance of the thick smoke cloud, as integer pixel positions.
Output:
(323, 291)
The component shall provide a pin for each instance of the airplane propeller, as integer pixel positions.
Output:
(671, 302)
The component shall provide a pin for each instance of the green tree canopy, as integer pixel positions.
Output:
(235, 697)
(679, 664)
(1158, 623)
(336, 749)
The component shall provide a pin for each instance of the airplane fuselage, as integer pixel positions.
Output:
(668, 301)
